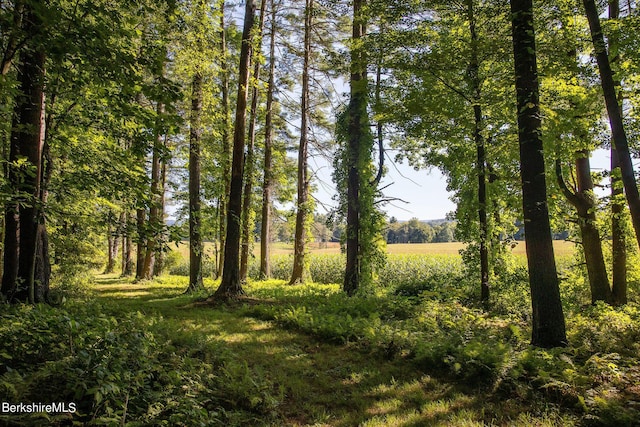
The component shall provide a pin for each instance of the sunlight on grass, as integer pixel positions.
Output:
(316, 382)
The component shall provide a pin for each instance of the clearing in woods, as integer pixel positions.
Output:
(319, 383)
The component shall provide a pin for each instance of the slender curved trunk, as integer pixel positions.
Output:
(618, 134)
(113, 245)
(583, 200)
(548, 317)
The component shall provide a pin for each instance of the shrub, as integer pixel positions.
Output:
(123, 369)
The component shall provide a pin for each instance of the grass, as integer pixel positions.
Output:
(146, 354)
(417, 352)
(319, 383)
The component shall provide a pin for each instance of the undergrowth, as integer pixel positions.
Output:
(127, 366)
(430, 323)
(127, 370)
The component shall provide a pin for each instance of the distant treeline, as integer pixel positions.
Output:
(416, 231)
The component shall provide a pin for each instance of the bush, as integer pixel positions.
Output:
(122, 369)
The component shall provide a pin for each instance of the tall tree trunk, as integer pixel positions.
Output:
(11, 229)
(300, 271)
(357, 114)
(548, 318)
(231, 286)
(265, 231)
(126, 264)
(27, 139)
(481, 161)
(141, 240)
(42, 273)
(249, 170)
(618, 133)
(154, 224)
(226, 143)
(113, 244)
(195, 234)
(158, 266)
(42, 268)
(618, 232)
(127, 260)
(584, 201)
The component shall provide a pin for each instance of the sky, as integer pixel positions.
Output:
(423, 191)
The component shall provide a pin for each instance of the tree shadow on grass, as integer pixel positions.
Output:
(318, 383)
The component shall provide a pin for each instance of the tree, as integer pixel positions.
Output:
(573, 117)
(250, 159)
(155, 220)
(267, 184)
(226, 141)
(195, 237)
(548, 318)
(23, 217)
(618, 133)
(583, 199)
(358, 139)
(618, 231)
(300, 271)
(231, 285)
(481, 161)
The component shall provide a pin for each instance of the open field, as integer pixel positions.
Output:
(562, 248)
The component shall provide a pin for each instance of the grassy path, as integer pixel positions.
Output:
(316, 383)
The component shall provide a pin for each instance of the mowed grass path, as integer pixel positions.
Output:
(320, 384)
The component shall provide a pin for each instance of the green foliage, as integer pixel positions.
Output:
(128, 370)
(429, 324)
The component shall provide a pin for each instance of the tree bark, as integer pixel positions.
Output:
(250, 166)
(618, 232)
(618, 134)
(141, 240)
(265, 231)
(155, 222)
(548, 318)
(231, 286)
(195, 234)
(226, 143)
(300, 271)
(127, 261)
(481, 161)
(357, 113)
(113, 244)
(584, 202)
(161, 239)
(27, 140)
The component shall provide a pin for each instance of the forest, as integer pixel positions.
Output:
(166, 259)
